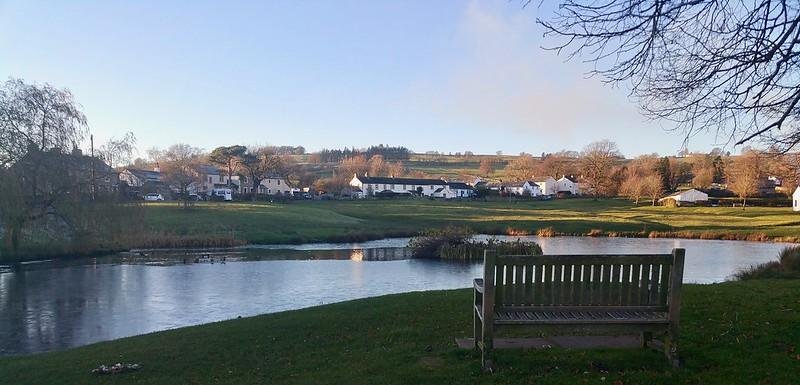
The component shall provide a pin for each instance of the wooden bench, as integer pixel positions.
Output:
(565, 294)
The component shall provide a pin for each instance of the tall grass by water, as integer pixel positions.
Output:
(787, 266)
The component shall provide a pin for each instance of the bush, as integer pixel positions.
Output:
(473, 250)
(787, 266)
(429, 243)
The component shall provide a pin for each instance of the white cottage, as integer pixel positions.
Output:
(438, 188)
(524, 188)
(796, 199)
(690, 196)
(547, 185)
(567, 185)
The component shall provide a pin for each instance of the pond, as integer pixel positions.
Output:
(60, 304)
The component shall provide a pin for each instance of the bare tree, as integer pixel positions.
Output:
(118, 152)
(744, 175)
(486, 166)
(702, 170)
(730, 66)
(597, 166)
(652, 187)
(521, 168)
(632, 188)
(178, 164)
(39, 124)
(377, 166)
(556, 165)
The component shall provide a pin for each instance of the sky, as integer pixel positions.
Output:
(451, 76)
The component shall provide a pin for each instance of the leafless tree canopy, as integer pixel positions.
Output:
(725, 65)
(40, 117)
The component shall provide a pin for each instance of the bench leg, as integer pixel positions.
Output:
(645, 338)
(487, 344)
(671, 349)
(477, 327)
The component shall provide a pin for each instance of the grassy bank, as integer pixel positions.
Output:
(299, 222)
(210, 224)
(733, 333)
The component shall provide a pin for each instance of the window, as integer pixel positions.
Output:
(279, 182)
(209, 179)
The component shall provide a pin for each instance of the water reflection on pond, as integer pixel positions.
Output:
(60, 304)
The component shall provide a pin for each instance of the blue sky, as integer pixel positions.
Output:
(429, 75)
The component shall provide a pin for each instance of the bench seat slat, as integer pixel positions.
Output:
(593, 317)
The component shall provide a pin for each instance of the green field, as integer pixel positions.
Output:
(732, 333)
(314, 221)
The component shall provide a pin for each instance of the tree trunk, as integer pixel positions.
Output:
(11, 239)
(744, 203)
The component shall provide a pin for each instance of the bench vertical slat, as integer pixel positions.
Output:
(655, 294)
(626, 284)
(636, 281)
(572, 283)
(645, 289)
(665, 285)
(520, 284)
(580, 285)
(561, 284)
(528, 284)
(607, 272)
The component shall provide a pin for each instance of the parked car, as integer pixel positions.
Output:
(222, 194)
(195, 197)
(153, 197)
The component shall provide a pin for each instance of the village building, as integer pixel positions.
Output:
(796, 199)
(567, 185)
(271, 185)
(138, 178)
(208, 178)
(526, 188)
(438, 188)
(548, 185)
(686, 197)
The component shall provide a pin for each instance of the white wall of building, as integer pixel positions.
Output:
(796, 200)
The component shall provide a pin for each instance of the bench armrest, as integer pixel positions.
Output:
(478, 285)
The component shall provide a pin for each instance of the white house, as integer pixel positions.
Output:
(567, 185)
(687, 196)
(796, 200)
(524, 188)
(271, 185)
(370, 186)
(548, 185)
(209, 178)
(455, 190)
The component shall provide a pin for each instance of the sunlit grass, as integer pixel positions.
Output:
(304, 221)
(731, 333)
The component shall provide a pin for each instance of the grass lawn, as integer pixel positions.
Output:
(732, 333)
(314, 221)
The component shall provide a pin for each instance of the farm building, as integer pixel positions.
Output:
(690, 197)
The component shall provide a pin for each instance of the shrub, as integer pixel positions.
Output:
(429, 243)
(787, 266)
(473, 250)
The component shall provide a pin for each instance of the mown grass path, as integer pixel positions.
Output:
(732, 333)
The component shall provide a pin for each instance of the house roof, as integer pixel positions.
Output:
(459, 185)
(207, 170)
(145, 174)
(570, 178)
(390, 180)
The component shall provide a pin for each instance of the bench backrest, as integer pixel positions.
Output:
(641, 281)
